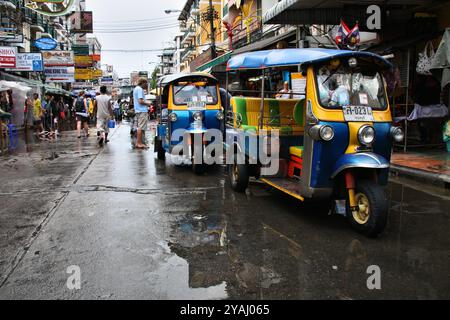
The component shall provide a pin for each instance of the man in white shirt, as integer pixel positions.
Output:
(104, 114)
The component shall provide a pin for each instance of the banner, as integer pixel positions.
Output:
(8, 57)
(58, 58)
(83, 61)
(81, 22)
(81, 49)
(29, 62)
(59, 74)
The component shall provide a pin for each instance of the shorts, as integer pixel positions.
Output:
(82, 119)
(102, 124)
(142, 120)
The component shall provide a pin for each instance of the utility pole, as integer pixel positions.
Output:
(213, 32)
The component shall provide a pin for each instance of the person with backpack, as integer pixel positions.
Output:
(82, 114)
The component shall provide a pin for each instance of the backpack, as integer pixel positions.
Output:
(79, 105)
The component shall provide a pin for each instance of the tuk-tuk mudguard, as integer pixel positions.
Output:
(367, 160)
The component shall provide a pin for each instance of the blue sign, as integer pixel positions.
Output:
(46, 44)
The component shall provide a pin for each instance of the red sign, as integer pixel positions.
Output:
(8, 57)
(96, 57)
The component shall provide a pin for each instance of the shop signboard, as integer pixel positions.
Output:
(31, 62)
(8, 57)
(59, 74)
(83, 74)
(81, 22)
(107, 81)
(96, 57)
(46, 44)
(58, 58)
(81, 49)
(83, 61)
(97, 73)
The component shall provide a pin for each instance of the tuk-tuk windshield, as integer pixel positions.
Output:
(345, 86)
(184, 93)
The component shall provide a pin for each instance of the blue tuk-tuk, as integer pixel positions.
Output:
(334, 124)
(190, 103)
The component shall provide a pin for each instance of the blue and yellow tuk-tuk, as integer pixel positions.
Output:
(334, 128)
(189, 103)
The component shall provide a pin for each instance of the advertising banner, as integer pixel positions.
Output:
(83, 61)
(58, 58)
(8, 57)
(59, 74)
(81, 22)
(46, 44)
(29, 62)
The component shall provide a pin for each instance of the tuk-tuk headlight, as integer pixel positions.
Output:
(173, 117)
(220, 116)
(321, 132)
(198, 116)
(326, 133)
(366, 135)
(397, 134)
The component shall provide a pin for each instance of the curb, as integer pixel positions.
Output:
(441, 180)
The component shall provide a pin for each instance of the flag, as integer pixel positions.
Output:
(346, 37)
(342, 33)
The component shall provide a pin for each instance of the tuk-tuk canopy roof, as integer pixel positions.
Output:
(291, 57)
(164, 81)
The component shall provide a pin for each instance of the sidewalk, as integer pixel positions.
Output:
(432, 167)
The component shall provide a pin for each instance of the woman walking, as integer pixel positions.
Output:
(82, 114)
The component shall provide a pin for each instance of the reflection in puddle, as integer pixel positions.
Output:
(176, 279)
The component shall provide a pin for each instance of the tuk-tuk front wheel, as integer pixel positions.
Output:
(369, 216)
(239, 177)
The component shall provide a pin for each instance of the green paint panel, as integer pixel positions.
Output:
(241, 108)
(274, 112)
(299, 112)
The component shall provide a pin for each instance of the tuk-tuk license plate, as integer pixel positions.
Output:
(196, 106)
(358, 113)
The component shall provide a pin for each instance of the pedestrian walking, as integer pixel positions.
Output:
(38, 111)
(141, 109)
(104, 114)
(82, 115)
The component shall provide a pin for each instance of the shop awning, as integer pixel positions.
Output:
(264, 43)
(215, 62)
(330, 12)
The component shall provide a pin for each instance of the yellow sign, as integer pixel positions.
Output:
(83, 61)
(97, 73)
(83, 74)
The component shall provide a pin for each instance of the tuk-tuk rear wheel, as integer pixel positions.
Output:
(369, 217)
(239, 177)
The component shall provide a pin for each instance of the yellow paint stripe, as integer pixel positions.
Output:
(283, 190)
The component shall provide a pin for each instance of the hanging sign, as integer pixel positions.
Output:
(46, 44)
(45, 7)
(8, 57)
(31, 62)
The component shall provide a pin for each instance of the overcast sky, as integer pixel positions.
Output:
(111, 15)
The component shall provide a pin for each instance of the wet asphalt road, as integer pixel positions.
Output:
(141, 229)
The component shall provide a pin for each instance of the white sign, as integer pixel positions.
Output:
(59, 74)
(358, 113)
(29, 62)
(58, 58)
(8, 57)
